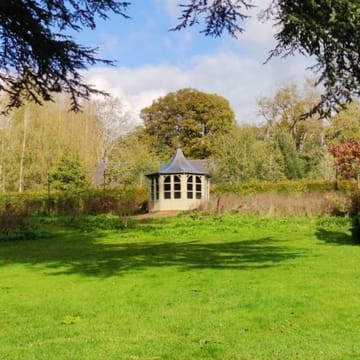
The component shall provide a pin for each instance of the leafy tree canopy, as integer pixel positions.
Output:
(68, 174)
(346, 158)
(130, 159)
(345, 125)
(241, 156)
(37, 59)
(188, 118)
(327, 30)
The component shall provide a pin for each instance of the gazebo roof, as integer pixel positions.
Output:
(180, 165)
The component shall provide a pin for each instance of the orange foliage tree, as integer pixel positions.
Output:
(347, 159)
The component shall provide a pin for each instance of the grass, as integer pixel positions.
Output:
(222, 287)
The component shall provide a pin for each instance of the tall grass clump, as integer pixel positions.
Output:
(282, 204)
(15, 222)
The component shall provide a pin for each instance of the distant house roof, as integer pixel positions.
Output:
(180, 165)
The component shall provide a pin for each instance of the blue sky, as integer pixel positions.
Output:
(152, 61)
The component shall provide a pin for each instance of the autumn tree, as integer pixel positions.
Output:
(188, 118)
(347, 159)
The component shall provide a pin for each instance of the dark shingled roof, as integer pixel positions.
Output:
(180, 165)
(200, 165)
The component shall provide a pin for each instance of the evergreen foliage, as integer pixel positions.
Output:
(294, 166)
(37, 59)
(326, 30)
(67, 175)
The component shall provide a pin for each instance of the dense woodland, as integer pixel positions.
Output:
(42, 146)
(50, 148)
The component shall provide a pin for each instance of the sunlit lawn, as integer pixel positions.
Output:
(184, 288)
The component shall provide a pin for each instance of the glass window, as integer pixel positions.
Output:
(167, 187)
(154, 188)
(190, 189)
(177, 187)
(198, 187)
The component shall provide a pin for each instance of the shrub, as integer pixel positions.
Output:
(14, 222)
(285, 187)
(92, 223)
(122, 200)
(355, 216)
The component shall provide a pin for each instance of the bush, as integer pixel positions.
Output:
(92, 223)
(284, 187)
(122, 201)
(14, 222)
(355, 216)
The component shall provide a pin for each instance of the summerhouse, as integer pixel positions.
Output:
(180, 185)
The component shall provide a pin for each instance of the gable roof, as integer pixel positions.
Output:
(180, 165)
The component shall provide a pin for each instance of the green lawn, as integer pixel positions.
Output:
(184, 288)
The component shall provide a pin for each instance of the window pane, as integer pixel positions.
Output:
(157, 189)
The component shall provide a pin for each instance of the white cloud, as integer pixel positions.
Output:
(137, 88)
(170, 6)
(235, 71)
(241, 80)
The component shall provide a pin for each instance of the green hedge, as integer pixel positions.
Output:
(287, 187)
(125, 200)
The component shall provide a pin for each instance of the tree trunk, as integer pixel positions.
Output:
(23, 148)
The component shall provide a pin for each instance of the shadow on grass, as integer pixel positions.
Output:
(86, 255)
(334, 237)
